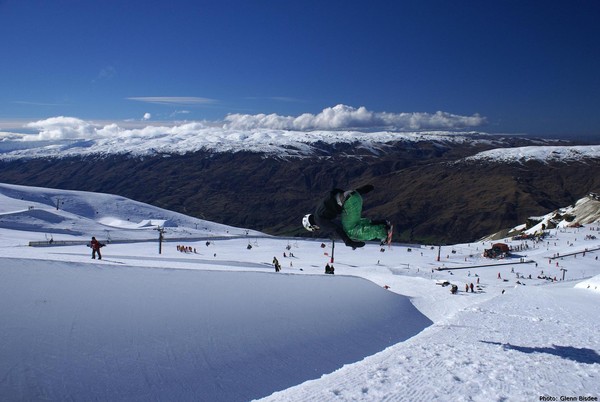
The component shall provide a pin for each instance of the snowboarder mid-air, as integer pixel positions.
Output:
(351, 227)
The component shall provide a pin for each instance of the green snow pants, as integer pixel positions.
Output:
(356, 227)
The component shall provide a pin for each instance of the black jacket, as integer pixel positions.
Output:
(328, 210)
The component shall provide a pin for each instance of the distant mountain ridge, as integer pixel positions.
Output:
(432, 187)
(196, 137)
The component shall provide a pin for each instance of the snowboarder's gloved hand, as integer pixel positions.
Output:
(365, 189)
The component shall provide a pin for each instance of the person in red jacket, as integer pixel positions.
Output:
(96, 245)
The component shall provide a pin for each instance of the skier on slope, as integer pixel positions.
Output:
(352, 228)
(96, 245)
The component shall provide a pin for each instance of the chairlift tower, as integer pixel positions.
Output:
(332, 250)
(161, 232)
(563, 271)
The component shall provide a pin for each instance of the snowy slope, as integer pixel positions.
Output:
(106, 216)
(220, 324)
(518, 347)
(538, 153)
(113, 333)
(591, 284)
(585, 211)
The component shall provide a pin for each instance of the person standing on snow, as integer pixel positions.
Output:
(352, 228)
(276, 264)
(96, 245)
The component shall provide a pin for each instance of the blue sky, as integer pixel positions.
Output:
(522, 66)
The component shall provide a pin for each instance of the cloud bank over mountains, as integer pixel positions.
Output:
(340, 117)
(69, 136)
(271, 134)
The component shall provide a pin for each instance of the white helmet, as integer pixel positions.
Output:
(308, 221)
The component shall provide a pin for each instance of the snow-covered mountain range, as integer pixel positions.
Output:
(195, 137)
(59, 137)
(538, 153)
(263, 172)
(210, 319)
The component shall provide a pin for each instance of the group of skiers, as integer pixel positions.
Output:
(468, 287)
(186, 249)
(471, 287)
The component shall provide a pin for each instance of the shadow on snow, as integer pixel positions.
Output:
(580, 355)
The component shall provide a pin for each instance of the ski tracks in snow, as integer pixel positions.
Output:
(445, 361)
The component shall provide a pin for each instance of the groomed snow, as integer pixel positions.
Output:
(218, 323)
(79, 331)
(591, 284)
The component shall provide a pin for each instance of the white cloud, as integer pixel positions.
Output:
(346, 117)
(338, 118)
(69, 128)
(179, 112)
(59, 128)
(174, 100)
